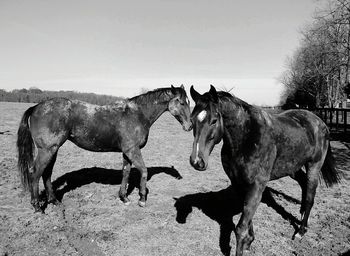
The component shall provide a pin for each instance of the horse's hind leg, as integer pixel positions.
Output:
(125, 180)
(312, 171)
(51, 198)
(251, 234)
(300, 177)
(42, 160)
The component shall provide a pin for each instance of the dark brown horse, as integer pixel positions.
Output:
(120, 127)
(259, 147)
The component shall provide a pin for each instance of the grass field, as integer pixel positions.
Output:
(187, 212)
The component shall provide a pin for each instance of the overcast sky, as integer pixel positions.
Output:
(118, 47)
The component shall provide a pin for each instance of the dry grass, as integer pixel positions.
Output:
(92, 220)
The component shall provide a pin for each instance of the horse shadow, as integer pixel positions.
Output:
(347, 253)
(222, 205)
(85, 176)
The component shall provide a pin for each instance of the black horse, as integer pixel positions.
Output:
(120, 127)
(259, 147)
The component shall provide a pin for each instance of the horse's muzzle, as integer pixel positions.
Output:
(187, 126)
(198, 164)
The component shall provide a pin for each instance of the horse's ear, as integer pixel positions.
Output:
(194, 94)
(173, 90)
(213, 93)
(182, 87)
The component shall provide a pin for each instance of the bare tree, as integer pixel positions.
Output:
(320, 67)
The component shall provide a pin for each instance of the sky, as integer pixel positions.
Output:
(122, 48)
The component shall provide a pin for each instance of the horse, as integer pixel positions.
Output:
(259, 147)
(119, 127)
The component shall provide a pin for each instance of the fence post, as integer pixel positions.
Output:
(345, 119)
(337, 119)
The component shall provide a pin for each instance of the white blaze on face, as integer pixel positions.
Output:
(196, 159)
(202, 115)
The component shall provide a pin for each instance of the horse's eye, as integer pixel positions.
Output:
(213, 121)
(180, 101)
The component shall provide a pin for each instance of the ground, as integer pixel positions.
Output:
(187, 213)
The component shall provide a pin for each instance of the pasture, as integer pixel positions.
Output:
(187, 212)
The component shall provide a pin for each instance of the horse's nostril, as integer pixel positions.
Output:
(187, 126)
(201, 163)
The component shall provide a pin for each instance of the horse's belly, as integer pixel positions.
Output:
(95, 146)
(287, 164)
(283, 169)
(97, 141)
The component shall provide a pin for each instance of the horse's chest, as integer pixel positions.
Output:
(245, 169)
(236, 167)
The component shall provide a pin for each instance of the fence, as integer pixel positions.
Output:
(337, 119)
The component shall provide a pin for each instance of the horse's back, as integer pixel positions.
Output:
(303, 121)
(89, 126)
(302, 115)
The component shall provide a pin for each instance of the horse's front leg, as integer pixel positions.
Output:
(244, 231)
(125, 180)
(136, 159)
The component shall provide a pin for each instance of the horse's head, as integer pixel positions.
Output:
(179, 107)
(207, 127)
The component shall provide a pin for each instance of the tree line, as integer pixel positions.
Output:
(35, 95)
(318, 73)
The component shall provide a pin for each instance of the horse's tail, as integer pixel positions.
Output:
(329, 172)
(25, 149)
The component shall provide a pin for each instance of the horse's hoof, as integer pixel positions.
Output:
(54, 202)
(125, 201)
(297, 236)
(38, 210)
(299, 233)
(142, 204)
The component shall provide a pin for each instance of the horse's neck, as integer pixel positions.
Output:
(152, 111)
(152, 104)
(240, 126)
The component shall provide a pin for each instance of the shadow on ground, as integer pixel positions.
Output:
(222, 205)
(85, 176)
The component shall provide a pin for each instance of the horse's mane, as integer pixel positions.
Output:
(228, 100)
(159, 94)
